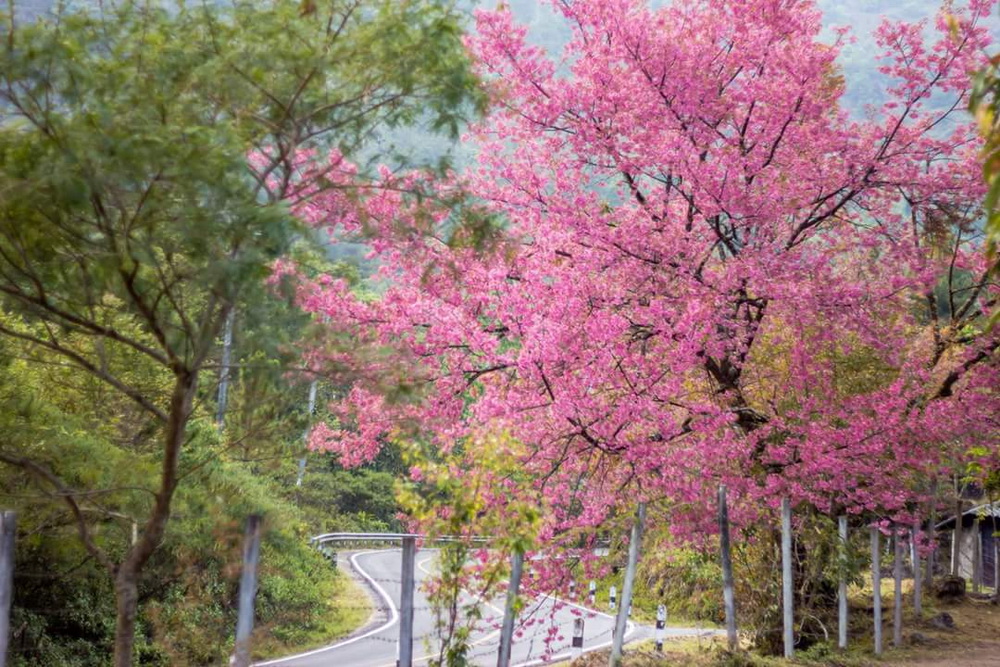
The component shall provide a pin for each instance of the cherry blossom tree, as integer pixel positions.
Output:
(712, 273)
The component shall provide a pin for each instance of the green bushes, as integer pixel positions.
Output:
(64, 605)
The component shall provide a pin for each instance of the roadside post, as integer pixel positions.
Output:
(248, 591)
(577, 638)
(507, 630)
(661, 625)
(407, 580)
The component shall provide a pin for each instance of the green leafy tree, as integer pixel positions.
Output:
(985, 104)
(131, 220)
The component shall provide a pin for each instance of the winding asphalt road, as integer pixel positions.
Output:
(376, 645)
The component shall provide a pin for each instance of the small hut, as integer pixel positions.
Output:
(977, 543)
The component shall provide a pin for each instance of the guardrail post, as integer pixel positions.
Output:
(406, 602)
(8, 532)
(621, 621)
(248, 591)
(507, 630)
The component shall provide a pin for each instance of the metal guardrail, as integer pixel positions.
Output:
(397, 538)
(393, 538)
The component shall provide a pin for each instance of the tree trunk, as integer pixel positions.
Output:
(128, 572)
(127, 603)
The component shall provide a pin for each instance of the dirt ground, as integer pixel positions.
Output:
(974, 642)
(976, 657)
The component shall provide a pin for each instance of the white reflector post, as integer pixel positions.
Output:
(577, 638)
(661, 625)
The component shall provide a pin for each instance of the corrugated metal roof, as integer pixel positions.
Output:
(986, 510)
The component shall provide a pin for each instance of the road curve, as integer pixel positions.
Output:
(376, 646)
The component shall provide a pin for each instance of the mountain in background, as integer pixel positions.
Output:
(864, 84)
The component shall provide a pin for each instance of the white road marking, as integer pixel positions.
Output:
(482, 640)
(393, 616)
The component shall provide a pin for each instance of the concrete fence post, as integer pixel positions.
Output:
(977, 557)
(932, 539)
(918, 575)
(507, 630)
(842, 584)
(407, 584)
(621, 621)
(727, 570)
(787, 597)
(305, 436)
(877, 588)
(248, 591)
(897, 589)
(996, 567)
(222, 398)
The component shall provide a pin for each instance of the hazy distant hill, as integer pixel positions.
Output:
(863, 16)
(865, 85)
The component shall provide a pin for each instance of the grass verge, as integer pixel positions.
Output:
(348, 608)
